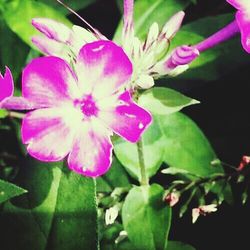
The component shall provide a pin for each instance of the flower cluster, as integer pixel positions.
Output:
(81, 93)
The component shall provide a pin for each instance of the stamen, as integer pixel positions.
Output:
(97, 33)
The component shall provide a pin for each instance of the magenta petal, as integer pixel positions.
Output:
(48, 82)
(92, 151)
(128, 6)
(243, 21)
(18, 103)
(47, 133)
(127, 119)
(102, 67)
(240, 4)
(6, 85)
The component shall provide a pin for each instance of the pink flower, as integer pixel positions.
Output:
(76, 112)
(243, 20)
(203, 210)
(172, 198)
(6, 85)
(244, 162)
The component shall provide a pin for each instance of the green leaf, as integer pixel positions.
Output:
(10, 46)
(3, 113)
(9, 190)
(149, 11)
(215, 62)
(186, 147)
(176, 245)
(75, 5)
(174, 171)
(127, 153)
(164, 101)
(115, 177)
(19, 13)
(146, 218)
(59, 212)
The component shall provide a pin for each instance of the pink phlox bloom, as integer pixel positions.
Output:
(6, 85)
(61, 41)
(203, 210)
(243, 20)
(79, 110)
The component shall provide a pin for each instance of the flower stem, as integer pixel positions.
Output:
(144, 178)
(222, 35)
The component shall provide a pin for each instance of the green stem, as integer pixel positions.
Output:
(144, 178)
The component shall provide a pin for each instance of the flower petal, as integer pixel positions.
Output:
(52, 29)
(173, 25)
(18, 103)
(48, 82)
(128, 9)
(243, 20)
(102, 68)
(240, 4)
(92, 150)
(51, 47)
(49, 133)
(6, 85)
(124, 117)
(80, 37)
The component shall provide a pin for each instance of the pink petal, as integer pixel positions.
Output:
(102, 68)
(18, 103)
(48, 82)
(52, 29)
(128, 6)
(6, 84)
(243, 20)
(49, 133)
(125, 117)
(92, 150)
(240, 4)
(51, 47)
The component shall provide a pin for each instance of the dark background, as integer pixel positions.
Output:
(223, 115)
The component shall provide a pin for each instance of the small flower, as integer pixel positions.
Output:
(111, 214)
(203, 210)
(243, 20)
(75, 112)
(6, 85)
(172, 198)
(244, 162)
(122, 236)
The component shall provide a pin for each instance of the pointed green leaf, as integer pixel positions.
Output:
(176, 245)
(59, 212)
(9, 190)
(146, 218)
(18, 15)
(164, 101)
